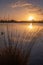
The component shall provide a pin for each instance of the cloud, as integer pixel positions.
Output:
(19, 4)
(29, 6)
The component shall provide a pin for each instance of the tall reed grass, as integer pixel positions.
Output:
(14, 55)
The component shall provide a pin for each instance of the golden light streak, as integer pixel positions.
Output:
(30, 26)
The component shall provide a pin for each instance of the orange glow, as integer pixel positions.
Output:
(31, 26)
(31, 18)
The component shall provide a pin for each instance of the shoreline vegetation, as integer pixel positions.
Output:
(13, 55)
(16, 55)
(14, 21)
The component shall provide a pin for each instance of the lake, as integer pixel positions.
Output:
(26, 37)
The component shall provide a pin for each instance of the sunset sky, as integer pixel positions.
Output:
(21, 9)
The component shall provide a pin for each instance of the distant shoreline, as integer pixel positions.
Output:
(13, 21)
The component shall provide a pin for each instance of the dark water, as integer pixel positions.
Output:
(22, 32)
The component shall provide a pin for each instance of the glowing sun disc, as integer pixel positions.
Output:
(31, 18)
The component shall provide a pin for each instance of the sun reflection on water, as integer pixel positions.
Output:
(30, 26)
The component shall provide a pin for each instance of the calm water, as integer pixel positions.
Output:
(23, 35)
(18, 32)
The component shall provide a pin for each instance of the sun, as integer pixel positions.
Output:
(31, 18)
